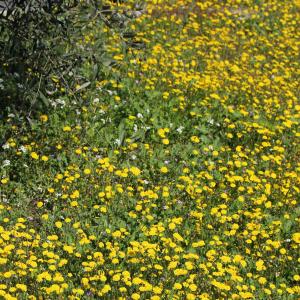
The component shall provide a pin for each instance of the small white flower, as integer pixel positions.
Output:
(137, 13)
(6, 163)
(61, 102)
(4, 200)
(180, 129)
(118, 142)
(6, 146)
(23, 149)
(140, 116)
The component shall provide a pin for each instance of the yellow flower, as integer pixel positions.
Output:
(87, 171)
(106, 289)
(116, 277)
(103, 209)
(215, 153)
(135, 171)
(67, 128)
(85, 281)
(260, 265)
(8, 274)
(34, 155)
(69, 249)
(45, 217)
(220, 285)
(138, 207)
(179, 272)
(4, 180)
(172, 265)
(178, 237)
(135, 296)
(172, 226)
(161, 132)
(198, 244)
(44, 118)
(190, 296)
(74, 203)
(296, 237)
(164, 170)
(58, 277)
(101, 194)
(246, 295)
(58, 224)
(262, 280)
(75, 194)
(296, 277)
(44, 275)
(3, 261)
(193, 287)
(54, 288)
(282, 251)
(45, 158)
(195, 139)
(177, 286)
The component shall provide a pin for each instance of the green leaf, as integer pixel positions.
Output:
(44, 99)
(83, 86)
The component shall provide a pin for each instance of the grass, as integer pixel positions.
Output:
(174, 177)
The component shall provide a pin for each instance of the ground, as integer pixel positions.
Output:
(175, 176)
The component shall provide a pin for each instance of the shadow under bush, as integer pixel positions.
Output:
(37, 42)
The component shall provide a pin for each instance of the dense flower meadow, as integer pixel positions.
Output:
(174, 177)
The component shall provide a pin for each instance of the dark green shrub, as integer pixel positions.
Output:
(36, 46)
